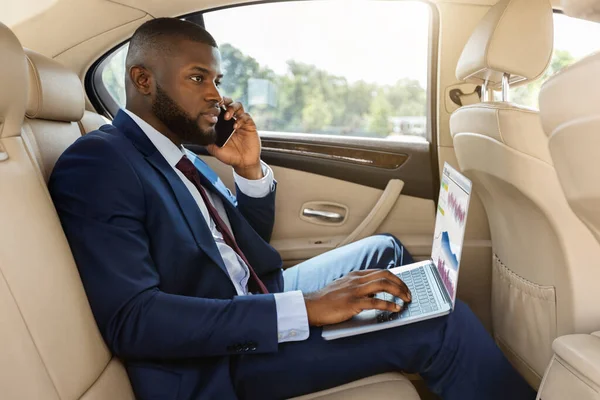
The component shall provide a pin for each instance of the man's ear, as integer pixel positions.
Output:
(141, 79)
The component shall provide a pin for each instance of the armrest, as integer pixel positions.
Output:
(574, 371)
(582, 353)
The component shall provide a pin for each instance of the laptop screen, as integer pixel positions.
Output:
(450, 221)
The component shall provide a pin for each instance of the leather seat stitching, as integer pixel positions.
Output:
(98, 378)
(509, 148)
(38, 84)
(498, 125)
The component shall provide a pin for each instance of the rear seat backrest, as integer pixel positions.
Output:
(55, 106)
(51, 347)
(91, 122)
(55, 111)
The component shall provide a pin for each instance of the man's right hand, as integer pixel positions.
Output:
(348, 296)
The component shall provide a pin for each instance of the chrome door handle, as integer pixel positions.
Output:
(323, 215)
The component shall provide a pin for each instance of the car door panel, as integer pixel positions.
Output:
(298, 238)
(366, 161)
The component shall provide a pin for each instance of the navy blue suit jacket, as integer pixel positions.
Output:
(157, 285)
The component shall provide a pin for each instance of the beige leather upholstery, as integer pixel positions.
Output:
(504, 123)
(585, 9)
(379, 387)
(569, 104)
(13, 91)
(574, 372)
(55, 107)
(541, 272)
(91, 121)
(55, 93)
(51, 346)
(514, 37)
(581, 352)
(55, 111)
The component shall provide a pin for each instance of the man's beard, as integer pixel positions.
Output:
(179, 122)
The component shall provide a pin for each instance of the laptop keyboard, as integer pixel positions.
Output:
(423, 300)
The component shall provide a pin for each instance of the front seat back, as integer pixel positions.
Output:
(540, 281)
(570, 111)
(51, 347)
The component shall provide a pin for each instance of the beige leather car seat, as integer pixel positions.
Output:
(570, 111)
(55, 111)
(52, 348)
(542, 277)
(91, 121)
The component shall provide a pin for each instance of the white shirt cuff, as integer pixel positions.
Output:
(256, 188)
(292, 320)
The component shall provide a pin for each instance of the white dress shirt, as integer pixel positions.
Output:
(292, 320)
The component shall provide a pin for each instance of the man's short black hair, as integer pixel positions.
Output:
(159, 35)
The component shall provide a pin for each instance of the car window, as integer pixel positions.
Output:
(306, 67)
(573, 39)
(340, 67)
(113, 75)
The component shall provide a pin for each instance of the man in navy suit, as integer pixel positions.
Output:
(179, 272)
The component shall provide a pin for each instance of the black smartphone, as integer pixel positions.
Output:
(223, 128)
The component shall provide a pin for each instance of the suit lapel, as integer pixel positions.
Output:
(187, 204)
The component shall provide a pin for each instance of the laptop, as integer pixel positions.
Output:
(433, 282)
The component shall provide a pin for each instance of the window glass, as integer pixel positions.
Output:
(341, 67)
(573, 39)
(113, 75)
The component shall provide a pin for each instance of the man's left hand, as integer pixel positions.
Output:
(242, 151)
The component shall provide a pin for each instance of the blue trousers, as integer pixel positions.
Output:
(454, 354)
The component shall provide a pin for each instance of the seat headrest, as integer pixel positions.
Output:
(13, 83)
(514, 37)
(55, 92)
(585, 9)
(572, 95)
